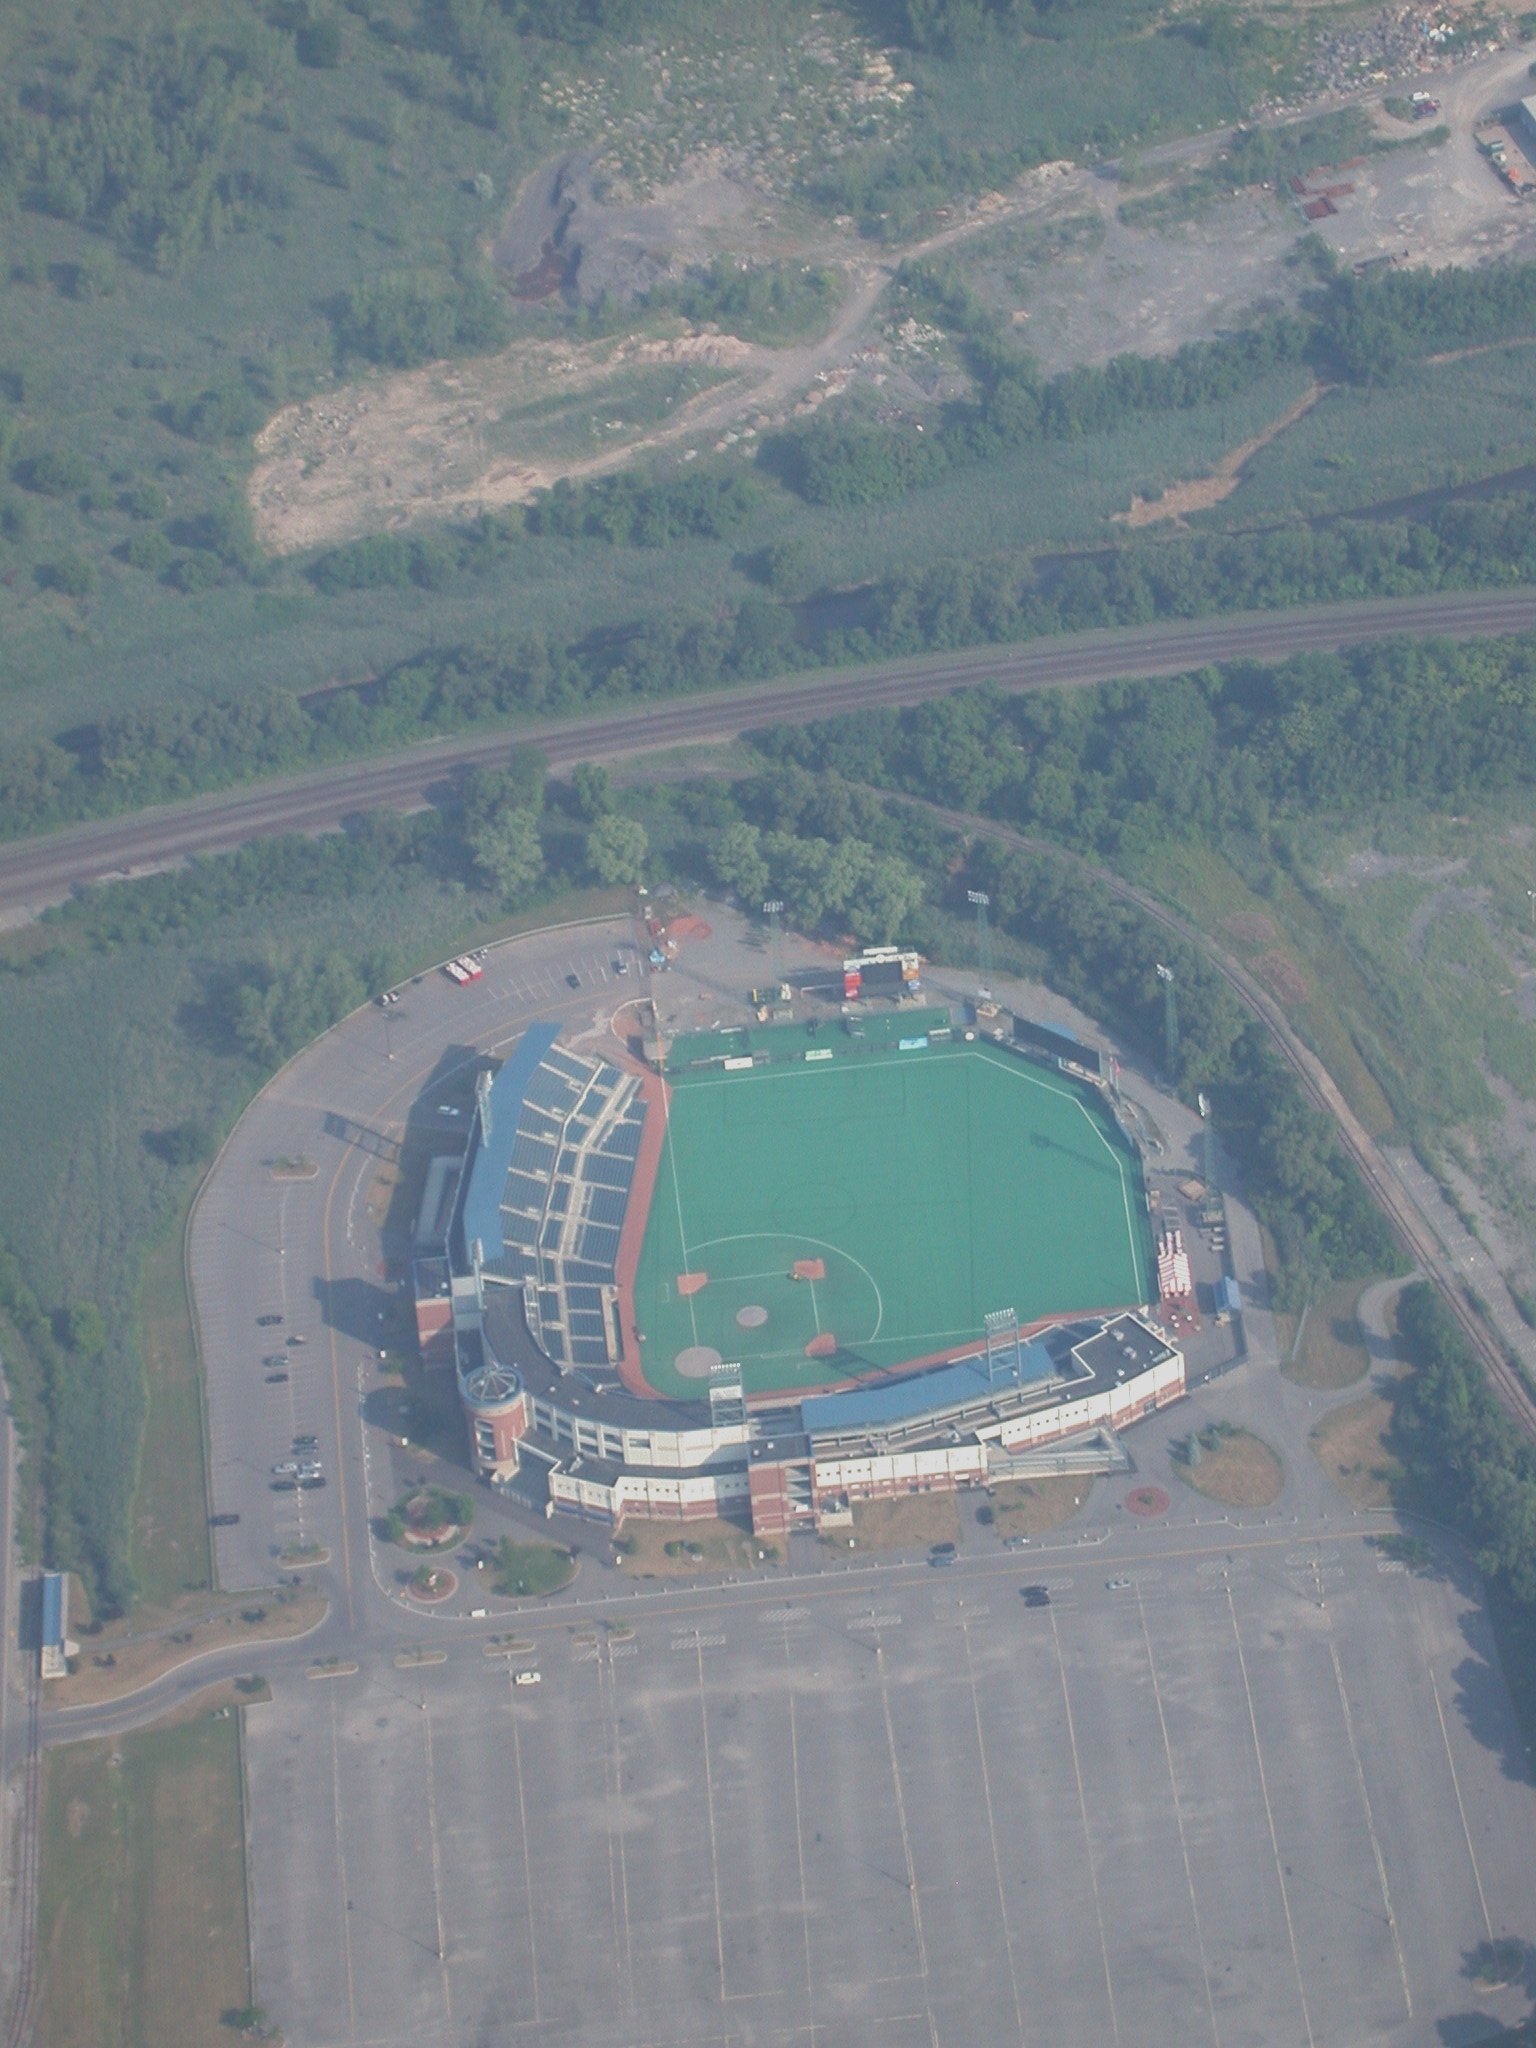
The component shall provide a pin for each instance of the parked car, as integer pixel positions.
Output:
(573, 981)
(308, 1483)
(277, 1379)
(222, 1521)
(1116, 1585)
(529, 1678)
(295, 1342)
(1036, 1596)
(274, 1359)
(268, 1322)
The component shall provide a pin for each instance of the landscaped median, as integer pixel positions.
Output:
(115, 1663)
(1230, 1465)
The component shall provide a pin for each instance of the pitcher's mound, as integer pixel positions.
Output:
(752, 1317)
(808, 1269)
(823, 1346)
(698, 1361)
(691, 1283)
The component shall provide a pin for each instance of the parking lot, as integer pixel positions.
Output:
(302, 1165)
(1265, 1795)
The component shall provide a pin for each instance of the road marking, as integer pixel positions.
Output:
(437, 1861)
(997, 1858)
(341, 1875)
(805, 1905)
(1370, 1821)
(1178, 1814)
(1445, 1737)
(709, 1807)
(695, 1642)
(1082, 1808)
(522, 1829)
(906, 1842)
(1269, 1815)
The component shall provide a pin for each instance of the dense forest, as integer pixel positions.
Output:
(177, 749)
(1359, 328)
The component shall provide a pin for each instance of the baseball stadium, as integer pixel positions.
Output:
(783, 1264)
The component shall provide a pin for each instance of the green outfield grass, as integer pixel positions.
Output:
(932, 1185)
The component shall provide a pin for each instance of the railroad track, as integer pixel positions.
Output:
(19, 2014)
(1322, 1091)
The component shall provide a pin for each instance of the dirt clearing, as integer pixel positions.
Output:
(1179, 500)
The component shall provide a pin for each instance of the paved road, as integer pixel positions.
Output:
(36, 872)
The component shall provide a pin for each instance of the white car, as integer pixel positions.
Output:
(287, 1469)
(529, 1678)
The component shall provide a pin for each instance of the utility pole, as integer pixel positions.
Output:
(1170, 1019)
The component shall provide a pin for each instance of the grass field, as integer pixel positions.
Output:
(1353, 1446)
(141, 1918)
(1366, 444)
(170, 1551)
(931, 1186)
(1240, 1471)
(1329, 1352)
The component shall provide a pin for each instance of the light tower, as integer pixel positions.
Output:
(1170, 1019)
(772, 910)
(979, 901)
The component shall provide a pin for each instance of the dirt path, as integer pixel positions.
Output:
(1179, 500)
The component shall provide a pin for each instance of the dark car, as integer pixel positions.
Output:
(268, 1322)
(222, 1521)
(277, 1379)
(941, 1557)
(1036, 1596)
(273, 1360)
(305, 1443)
(314, 1479)
(295, 1342)
(285, 1486)
(941, 1550)
(573, 981)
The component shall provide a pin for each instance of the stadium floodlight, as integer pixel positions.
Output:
(1170, 1017)
(979, 900)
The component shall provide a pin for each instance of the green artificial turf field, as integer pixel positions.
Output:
(931, 1186)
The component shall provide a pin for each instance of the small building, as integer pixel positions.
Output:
(54, 1646)
(1525, 120)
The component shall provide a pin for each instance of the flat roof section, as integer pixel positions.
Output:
(951, 1386)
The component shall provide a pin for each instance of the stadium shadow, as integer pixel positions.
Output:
(353, 1308)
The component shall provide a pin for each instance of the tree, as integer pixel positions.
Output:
(86, 1330)
(507, 852)
(739, 863)
(591, 790)
(617, 849)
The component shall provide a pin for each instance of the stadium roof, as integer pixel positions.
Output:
(491, 1157)
(960, 1385)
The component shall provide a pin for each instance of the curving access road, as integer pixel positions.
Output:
(37, 872)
